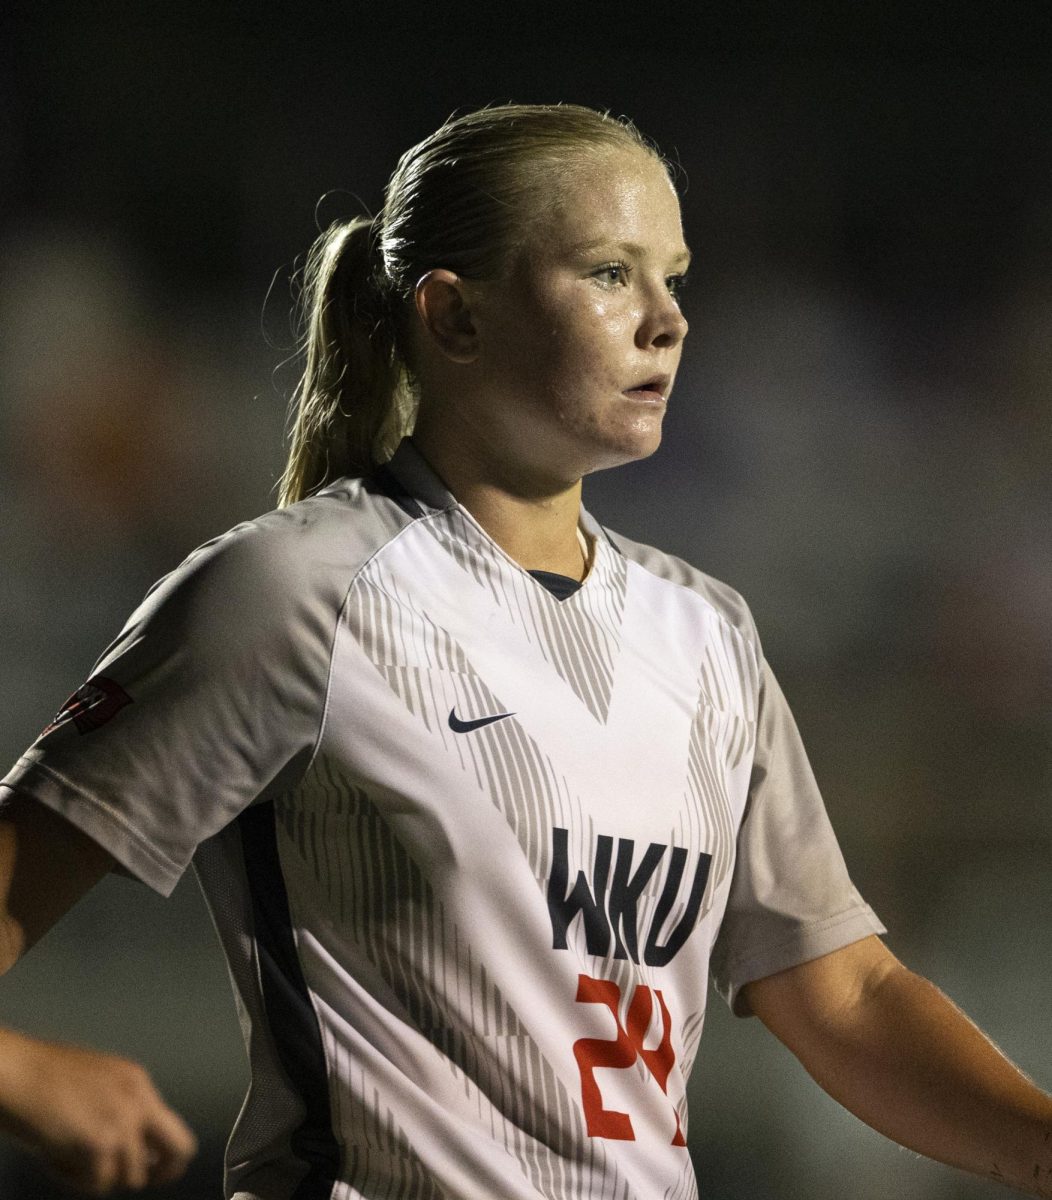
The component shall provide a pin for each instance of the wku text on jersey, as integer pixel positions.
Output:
(608, 903)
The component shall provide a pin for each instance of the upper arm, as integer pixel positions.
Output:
(820, 997)
(46, 865)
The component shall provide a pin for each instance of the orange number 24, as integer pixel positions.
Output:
(621, 1052)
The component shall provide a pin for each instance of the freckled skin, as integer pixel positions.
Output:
(570, 330)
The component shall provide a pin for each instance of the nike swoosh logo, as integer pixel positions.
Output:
(459, 726)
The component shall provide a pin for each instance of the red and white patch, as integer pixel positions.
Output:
(91, 705)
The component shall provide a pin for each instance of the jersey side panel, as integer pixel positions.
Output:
(260, 1160)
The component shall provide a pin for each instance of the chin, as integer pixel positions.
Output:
(641, 438)
(624, 450)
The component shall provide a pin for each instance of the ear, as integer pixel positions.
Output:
(442, 306)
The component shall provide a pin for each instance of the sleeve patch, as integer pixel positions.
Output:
(91, 705)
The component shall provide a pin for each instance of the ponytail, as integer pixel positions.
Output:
(352, 405)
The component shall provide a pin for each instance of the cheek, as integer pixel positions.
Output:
(595, 340)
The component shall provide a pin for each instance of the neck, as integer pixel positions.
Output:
(534, 523)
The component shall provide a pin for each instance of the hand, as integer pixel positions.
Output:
(96, 1120)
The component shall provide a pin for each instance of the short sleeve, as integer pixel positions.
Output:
(210, 698)
(791, 899)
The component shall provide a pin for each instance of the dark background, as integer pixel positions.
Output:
(860, 441)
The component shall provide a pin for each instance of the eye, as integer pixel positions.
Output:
(676, 284)
(613, 274)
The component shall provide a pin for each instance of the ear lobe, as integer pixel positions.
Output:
(444, 313)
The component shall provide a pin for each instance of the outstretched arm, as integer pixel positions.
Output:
(96, 1119)
(891, 1048)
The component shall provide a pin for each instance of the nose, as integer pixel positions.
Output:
(662, 324)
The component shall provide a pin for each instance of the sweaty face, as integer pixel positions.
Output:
(579, 345)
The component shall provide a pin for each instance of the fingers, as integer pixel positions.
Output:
(156, 1154)
(170, 1146)
(134, 1170)
(96, 1171)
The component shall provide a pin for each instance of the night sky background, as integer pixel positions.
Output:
(860, 442)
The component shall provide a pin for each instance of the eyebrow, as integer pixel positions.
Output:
(630, 248)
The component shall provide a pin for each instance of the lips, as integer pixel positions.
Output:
(652, 390)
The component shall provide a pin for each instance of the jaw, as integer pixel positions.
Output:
(635, 437)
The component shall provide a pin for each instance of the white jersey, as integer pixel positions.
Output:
(472, 850)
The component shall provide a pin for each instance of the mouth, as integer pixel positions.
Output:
(651, 391)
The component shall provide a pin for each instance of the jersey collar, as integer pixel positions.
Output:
(418, 477)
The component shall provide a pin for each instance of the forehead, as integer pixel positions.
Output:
(614, 193)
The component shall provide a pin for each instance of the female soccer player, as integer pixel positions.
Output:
(480, 792)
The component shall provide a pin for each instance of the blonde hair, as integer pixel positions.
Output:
(464, 198)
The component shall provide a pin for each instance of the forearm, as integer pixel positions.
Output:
(14, 1048)
(908, 1062)
(95, 1118)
